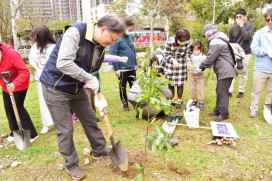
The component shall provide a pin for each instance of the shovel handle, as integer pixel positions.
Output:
(15, 110)
(105, 117)
(3, 77)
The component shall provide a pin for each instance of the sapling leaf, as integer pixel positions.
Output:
(159, 130)
(154, 147)
(151, 138)
(138, 167)
(169, 147)
(140, 113)
(166, 139)
(140, 177)
(160, 145)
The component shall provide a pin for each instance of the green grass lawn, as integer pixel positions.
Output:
(249, 160)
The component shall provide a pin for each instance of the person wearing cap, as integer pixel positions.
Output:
(262, 73)
(219, 57)
(78, 53)
(241, 33)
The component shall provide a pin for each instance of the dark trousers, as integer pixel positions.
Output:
(130, 77)
(222, 97)
(60, 105)
(23, 114)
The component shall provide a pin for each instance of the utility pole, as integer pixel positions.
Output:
(214, 2)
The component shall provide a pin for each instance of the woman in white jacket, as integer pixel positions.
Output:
(39, 54)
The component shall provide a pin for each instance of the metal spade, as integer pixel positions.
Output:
(21, 137)
(117, 153)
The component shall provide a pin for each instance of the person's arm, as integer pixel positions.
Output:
(247, 32)
(67, 55)
(114, 51)
(256, 47)
(33, 57)
(231, 35)
(213, 53)
(18, 63)
(168, 56)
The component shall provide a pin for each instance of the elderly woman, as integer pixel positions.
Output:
(176, 55)
(11, 60)
(262, 47)
(220, 58)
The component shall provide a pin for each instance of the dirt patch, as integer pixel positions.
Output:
(180, 170)
(134, 156)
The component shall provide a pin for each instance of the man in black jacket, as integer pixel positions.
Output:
(241, 33)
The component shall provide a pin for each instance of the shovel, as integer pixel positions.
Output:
(21, 137)
(117, 153)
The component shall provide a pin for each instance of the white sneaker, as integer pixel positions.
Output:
(45, 129)
(33, 139)
(10, 139)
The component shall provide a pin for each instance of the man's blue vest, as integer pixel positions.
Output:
(53, 78)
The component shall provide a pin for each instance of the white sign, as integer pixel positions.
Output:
(166, 28)
(223, 130)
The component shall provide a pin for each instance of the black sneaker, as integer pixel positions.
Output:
(76, 172)
(125, 107)
(240, 95)
(230, 94)
(105, 152)
(201, 106)
(213, 114)
(220, 118)
(194, 103)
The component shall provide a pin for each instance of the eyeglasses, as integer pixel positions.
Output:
(267, 20)
(239, 17)
(111, 36)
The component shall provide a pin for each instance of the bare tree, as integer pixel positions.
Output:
(15, 6)
(158, 8)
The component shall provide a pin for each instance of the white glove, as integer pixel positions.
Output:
(93, 84)
(100, 104)
(269, 53)
(123, 59)
(176, 64)
(198, 70)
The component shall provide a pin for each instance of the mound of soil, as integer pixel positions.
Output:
(134, 156)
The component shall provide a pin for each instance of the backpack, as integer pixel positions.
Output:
(238, 55)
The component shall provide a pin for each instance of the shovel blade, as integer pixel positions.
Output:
(267, 113)
(22, 139)
(118, 155)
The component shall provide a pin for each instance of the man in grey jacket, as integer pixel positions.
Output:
(220, 58)
(241, 33)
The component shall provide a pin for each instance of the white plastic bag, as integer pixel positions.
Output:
(191, 115)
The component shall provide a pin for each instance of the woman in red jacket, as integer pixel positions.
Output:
(11, 60)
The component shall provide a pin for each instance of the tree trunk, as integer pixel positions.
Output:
(13, 24)
(152, 31)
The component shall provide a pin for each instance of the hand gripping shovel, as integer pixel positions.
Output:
(117, 153)
(21, 137)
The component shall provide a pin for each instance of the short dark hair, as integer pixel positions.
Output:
(240, 11)
(113, 23)
(42, 36)
(129, 22)
(197, 44)
(268, 12)
(182, 35)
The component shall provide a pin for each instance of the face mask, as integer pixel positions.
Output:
(196, 52)
(183, 43)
